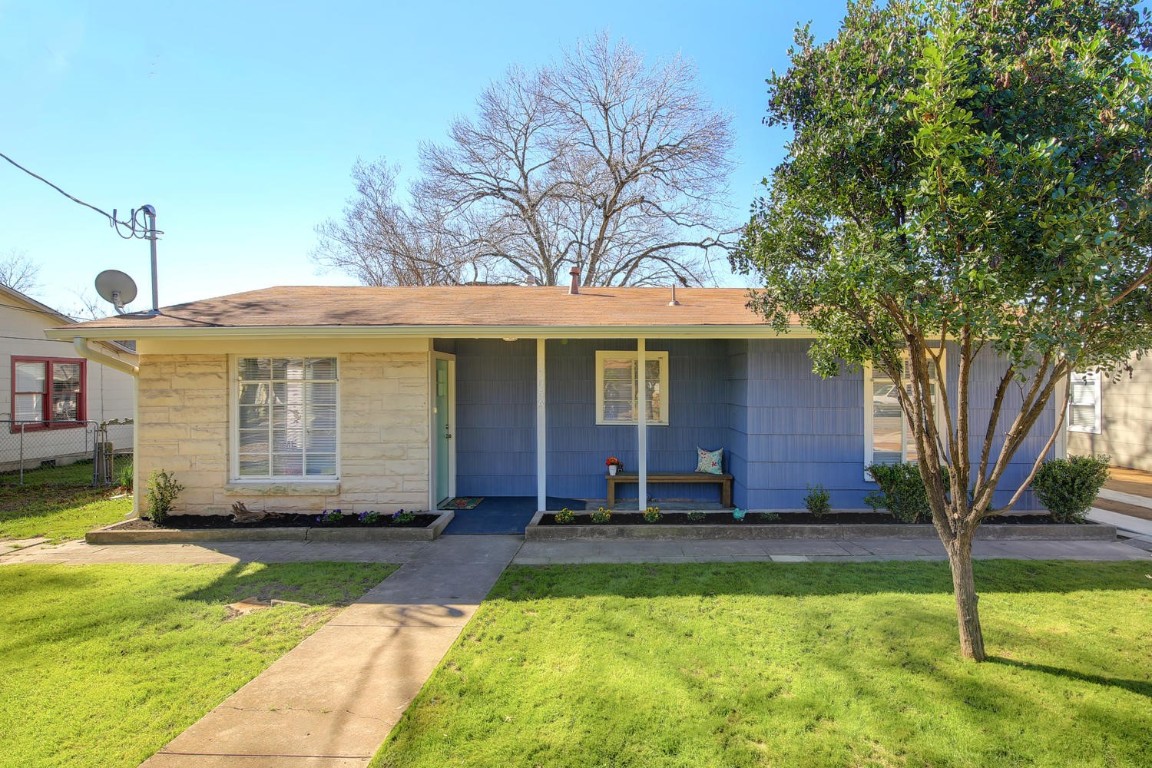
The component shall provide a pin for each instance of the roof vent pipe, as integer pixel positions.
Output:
(574, 288)
(673, 303)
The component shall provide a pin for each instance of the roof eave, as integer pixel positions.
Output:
(739, 331)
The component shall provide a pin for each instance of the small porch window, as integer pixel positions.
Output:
(616, 387)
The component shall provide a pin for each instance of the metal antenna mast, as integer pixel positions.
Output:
(150, 235)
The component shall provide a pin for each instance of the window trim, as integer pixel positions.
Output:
(47, 423)
(603, 355)
(869, 424)
(234, 476)
(1094, 428)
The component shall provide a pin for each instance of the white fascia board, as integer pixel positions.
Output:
(437, 331)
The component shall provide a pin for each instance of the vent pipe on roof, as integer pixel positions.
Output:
(673, 303)
(574, 288)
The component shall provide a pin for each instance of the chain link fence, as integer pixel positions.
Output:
(82, 452)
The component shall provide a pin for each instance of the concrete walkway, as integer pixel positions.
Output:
(331, 701)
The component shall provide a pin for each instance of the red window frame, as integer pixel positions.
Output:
(47, 422)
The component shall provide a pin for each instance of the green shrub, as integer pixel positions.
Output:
(818, 501)
(696, 516)
(875, 499)
(125, 474)
(901, 491)
(1067, 487)
(601, 515)
(403, 517)
(565, 516)
(652, 514)
(162, 492)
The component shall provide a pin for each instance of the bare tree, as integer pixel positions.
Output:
(88, 307)
(380, 243)
(596, 162)
(19, 272)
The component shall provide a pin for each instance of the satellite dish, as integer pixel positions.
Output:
(116, 287)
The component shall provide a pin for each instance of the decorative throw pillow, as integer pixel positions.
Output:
(710, 461)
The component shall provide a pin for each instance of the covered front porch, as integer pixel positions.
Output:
(538, 418)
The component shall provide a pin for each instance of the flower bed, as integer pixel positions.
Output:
(422, 526)
(797, 525)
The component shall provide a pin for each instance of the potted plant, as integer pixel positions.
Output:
(613, 465)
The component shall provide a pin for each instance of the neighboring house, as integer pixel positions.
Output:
(304, 398)
(1113, 417)
(52, 394)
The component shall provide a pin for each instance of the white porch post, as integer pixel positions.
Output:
(541, 429)
(642, 422)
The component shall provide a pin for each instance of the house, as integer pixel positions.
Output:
(55, 396)
(1113, 416)
(305, 398)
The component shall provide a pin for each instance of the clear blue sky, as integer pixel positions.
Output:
(240, 121)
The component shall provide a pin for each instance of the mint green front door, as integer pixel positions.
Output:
(443, 414)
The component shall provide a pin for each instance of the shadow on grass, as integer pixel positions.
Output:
(1138, 687)
(306, 583)
(812, 579)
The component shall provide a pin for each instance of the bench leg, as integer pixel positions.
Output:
(726, 494)
(611, 493)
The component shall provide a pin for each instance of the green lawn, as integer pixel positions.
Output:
(792, 665)
(57, 503)
(102, 665)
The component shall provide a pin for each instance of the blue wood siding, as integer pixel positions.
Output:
(737, 420)
(495, 428)
(783, 428)
(802, 430)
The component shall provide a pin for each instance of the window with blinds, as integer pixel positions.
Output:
(47, 393)
(286, 414)
(616, 378)
(1084, 403)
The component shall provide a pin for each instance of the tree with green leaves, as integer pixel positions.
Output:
(970, 176)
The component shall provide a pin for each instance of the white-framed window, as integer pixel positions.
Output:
(888, 437)
(285, 414)
(616, 387)
(1084, 402)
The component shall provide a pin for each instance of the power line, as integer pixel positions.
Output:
(115, 223)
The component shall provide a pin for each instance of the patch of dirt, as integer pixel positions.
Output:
(784, 518)
(203, 522)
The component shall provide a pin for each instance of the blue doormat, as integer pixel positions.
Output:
(503, 515)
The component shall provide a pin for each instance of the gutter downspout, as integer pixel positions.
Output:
(84, 350)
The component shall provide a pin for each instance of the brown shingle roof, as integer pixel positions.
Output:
(454, 306)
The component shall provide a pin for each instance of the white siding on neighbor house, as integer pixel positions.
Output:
(1125, 420)
(185, 426)
(109, 394)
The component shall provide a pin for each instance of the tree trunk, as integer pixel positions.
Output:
(964, 587)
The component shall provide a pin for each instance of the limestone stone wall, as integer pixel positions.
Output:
(183, 427)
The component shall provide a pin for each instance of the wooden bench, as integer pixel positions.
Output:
(724, 481)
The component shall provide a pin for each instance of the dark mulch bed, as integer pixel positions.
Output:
(201, 522)
(784, 518)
